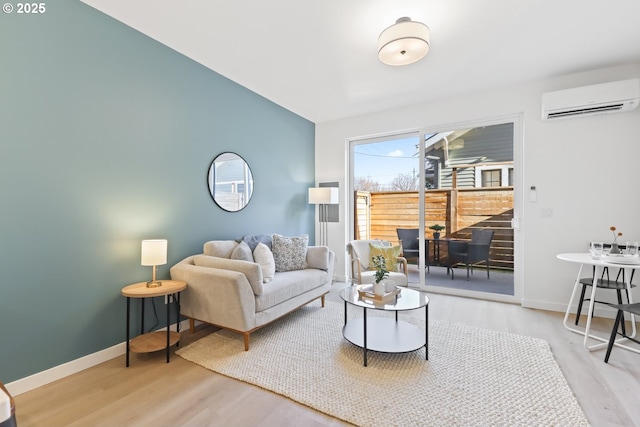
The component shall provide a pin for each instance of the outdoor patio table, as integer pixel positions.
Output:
(436, 249)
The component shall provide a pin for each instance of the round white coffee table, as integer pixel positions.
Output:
(391, 335)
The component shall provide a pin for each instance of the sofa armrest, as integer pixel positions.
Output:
(332, 260)
(252, 270)
(217, 296)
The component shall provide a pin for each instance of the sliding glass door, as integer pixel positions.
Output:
(385, 176)
(442, 189)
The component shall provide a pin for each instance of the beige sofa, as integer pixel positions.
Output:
(233, 293)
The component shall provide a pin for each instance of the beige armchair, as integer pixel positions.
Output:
(362, 270)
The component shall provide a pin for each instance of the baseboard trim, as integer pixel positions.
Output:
(56, 373)
(543, 305)
(601, 310)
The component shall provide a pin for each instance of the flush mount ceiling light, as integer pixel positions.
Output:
(404, 43)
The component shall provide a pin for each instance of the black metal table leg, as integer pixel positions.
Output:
(364, 349)
(426, 331)
(142, 316)
(128, 323)
(345, 312)
(168, 327)
(177, 302)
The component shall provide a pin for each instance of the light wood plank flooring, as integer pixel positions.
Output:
(153, 393)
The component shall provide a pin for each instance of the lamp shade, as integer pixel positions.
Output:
(154, 252)
(323, 196)
(404, 43)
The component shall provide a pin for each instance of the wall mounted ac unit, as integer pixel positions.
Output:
(623, 95)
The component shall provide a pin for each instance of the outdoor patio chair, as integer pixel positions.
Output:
(470, 253)
(408, 238)
(362, 270)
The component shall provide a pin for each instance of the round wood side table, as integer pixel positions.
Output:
(157, 340)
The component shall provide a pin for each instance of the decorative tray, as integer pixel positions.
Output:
(621, 259)
(366, 291)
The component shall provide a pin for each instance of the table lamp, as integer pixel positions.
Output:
(154, 253)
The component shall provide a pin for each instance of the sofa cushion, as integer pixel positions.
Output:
(253, 240)
(390, 254)
(219, 248)
(289, 284)
(242, 252)
(251, 270)
(318, 257)
(264, 257)
(290, 253)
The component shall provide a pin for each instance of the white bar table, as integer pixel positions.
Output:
(585, 259)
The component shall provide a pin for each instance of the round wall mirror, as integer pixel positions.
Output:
(230, 182)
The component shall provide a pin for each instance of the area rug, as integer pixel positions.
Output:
(474, 377)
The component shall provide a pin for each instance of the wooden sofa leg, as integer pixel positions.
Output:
(246, 341)
(192, 325)
(322, 300)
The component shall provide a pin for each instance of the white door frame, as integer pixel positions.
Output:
(518, 149)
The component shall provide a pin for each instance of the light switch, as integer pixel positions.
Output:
(533, 194)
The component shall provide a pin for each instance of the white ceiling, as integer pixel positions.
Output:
(319, 60)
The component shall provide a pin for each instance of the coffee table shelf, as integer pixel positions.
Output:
(390, 336)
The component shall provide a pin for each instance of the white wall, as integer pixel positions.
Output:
(585, 170)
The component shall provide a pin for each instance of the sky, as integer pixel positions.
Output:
(383, 161)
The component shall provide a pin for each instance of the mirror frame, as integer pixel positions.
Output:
(247, 183)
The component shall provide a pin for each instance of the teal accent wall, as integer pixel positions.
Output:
(106, 137)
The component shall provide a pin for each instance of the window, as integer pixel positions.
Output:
(494, 176)
(491, 178)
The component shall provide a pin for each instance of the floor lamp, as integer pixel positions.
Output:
(323, 196)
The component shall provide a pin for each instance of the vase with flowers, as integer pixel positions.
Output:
(380, 264)
(614, 245)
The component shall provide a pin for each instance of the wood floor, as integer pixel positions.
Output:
(153, 393)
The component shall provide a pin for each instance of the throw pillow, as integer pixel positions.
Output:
(242, 252)
(253, 240)
(318, 257)
(390, 254)
(263, 256)
(290, 253)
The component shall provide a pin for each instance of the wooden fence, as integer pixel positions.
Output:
(378, 215)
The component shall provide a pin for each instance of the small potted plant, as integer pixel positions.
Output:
(437, 228)
(380, 264)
